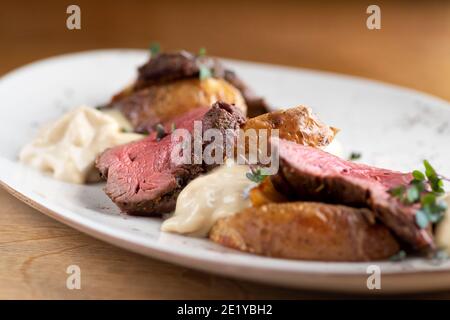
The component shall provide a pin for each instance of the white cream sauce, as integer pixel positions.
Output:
(221, 193)
(218, 194)
(67, 148)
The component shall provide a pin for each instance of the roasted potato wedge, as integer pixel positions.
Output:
(172, 66)
(307, 231)
(160, 103)
(297, 124)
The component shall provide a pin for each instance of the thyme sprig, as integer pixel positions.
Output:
(426, 189)
(255, 175)
(399, 256)
(204, 71)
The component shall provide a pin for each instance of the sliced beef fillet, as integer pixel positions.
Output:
(141, 177)
(172, 66)
(136, 100)
(311, 174)
(167, 67)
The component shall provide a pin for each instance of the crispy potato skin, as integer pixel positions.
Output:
(163, 102)
(306, 231)
(297, 124)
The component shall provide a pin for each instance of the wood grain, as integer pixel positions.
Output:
(411, 49)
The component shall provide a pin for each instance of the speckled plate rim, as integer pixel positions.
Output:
(345, 281)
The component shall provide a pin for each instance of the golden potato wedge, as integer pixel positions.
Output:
(163, 102)
(297, 124)
(306, 231)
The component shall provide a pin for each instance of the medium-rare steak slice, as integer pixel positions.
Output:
(307, 230)
(308, 173)
(141, 177)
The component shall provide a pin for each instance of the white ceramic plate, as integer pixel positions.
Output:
(392, 127)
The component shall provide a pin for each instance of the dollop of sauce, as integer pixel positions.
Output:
(219, 194)
(67, 148)
(443, 228)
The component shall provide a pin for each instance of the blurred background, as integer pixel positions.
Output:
(411, 49)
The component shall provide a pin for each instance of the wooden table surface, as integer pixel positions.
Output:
(411, 49)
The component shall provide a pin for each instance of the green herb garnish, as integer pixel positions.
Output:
(204, 73)
(354, 156)
(125, 130)
(418, 175)
(256, 175)
(399, 256)
(436, 182)
(202, 52)
(440, 255)
(155, 48)
(173, 127)
(425, 189)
